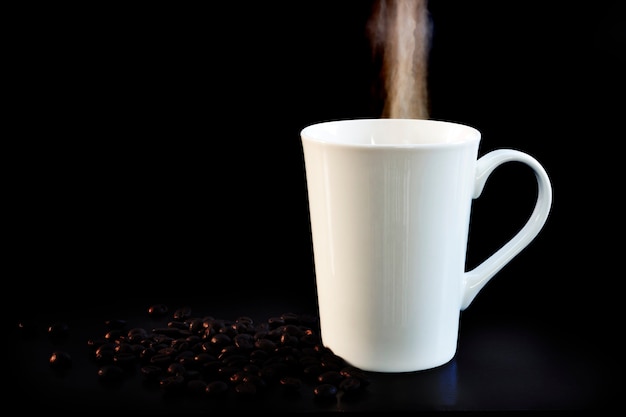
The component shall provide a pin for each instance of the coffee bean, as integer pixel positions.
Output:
(220, 340)
(290, 383)
(161, 359)
(354, 372)
(265, 344)
(27, 329)
(197, 386)
(330, 377)
(245, 390)
(110, 373)
(349, 385)
(182, 313)
(59, 330)
(125, 359)
(176, 369)
(115, 324)
(325, 392)
(290, 318)
(158, 310)
(210, 356)
(255, 380)
(275, 322)
(60, 360)
(217, 388)
(172, 383)
(151, 372)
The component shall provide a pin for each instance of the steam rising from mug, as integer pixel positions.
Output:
(399, 32)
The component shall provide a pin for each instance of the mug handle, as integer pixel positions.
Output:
(475, 280)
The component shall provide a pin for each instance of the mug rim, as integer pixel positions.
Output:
(313, 133)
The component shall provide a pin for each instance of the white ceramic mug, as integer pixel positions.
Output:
(389, 204)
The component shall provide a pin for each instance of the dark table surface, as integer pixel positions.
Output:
(502, 363)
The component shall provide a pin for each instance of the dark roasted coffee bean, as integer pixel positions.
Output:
(125, 359)
(27, 329)
(172, 383)
(196, 386)
(349, 385)
(238, 376)
(265, 344)
(275, 322)
(309, 339)
(330, 377)
(196, 326)
(220, 340)
(290, 383)
(172, 332)
(259, 355)
(325, 392)
(260, 334)
(244, 341)
(59, 330)
(180, 344)
(114, 334)
(96, 343)
(136, 334)
(182, 313)
(228, 350)
(202, 358)
(186, 357)
(312, 371)
(151, 372)
(115, 324)
(111, 373)
(192, 374)
(354, 372)
(161, 359)
(331, 362)
(212, 368)
(104, 356)
(224, 372)
(177, 324)
(105, 347)
(244, 319)
(194, 340)
(236, 361)
(176, 369)
(60, 360)
(291, 330)
(245, 390)
(158, 310)
(288, 340)
(251, 368)
(168, 350)
(306, 360)
(229, 331)
(123, 347)
(217, 388)
(242, 328)
(146, 353)
(255, 380)
(290, 318)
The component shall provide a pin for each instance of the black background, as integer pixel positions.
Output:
(152, 154)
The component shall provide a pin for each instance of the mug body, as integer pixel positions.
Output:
(390, 203)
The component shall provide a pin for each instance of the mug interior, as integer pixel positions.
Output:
(390, 132)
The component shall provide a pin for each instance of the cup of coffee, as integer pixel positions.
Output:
(390, 204)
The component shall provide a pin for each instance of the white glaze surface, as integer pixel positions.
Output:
(390, 203)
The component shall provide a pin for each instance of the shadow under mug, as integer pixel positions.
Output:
(390, 203)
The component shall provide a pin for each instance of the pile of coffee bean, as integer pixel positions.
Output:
(221, 358)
